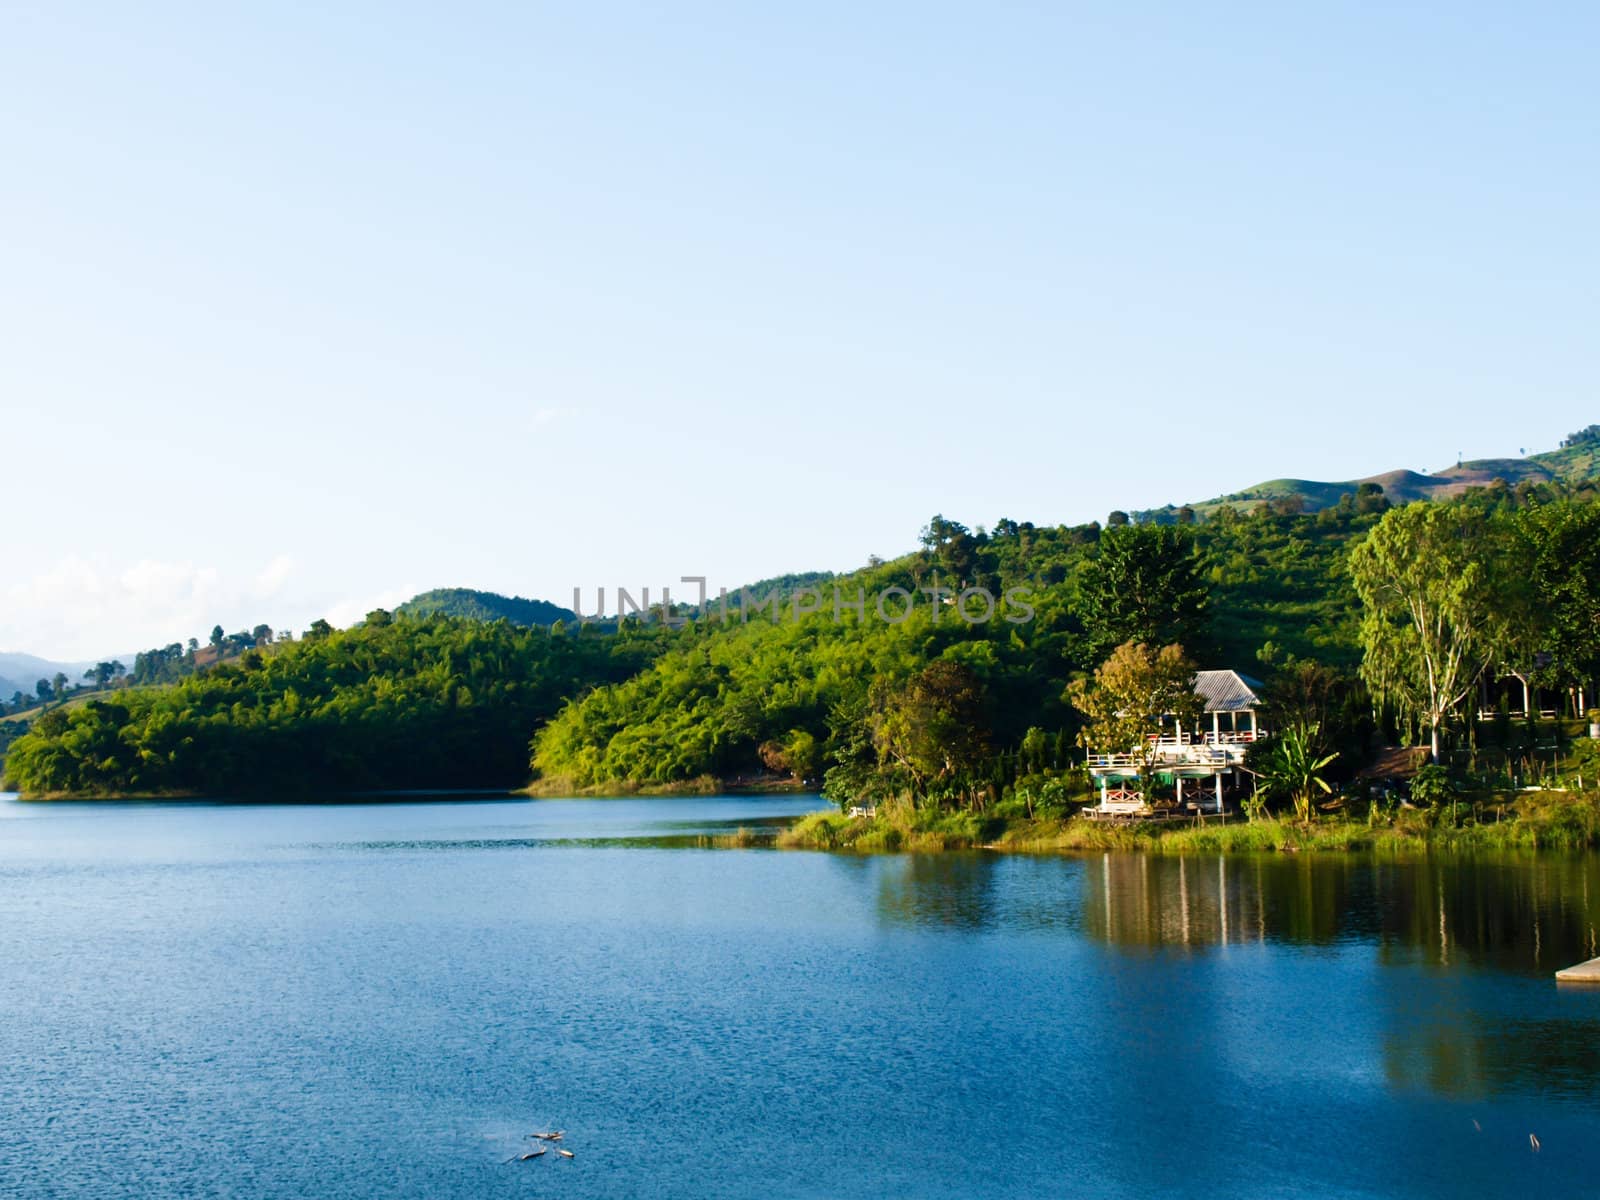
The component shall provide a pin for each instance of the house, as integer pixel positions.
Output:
(1208, 757)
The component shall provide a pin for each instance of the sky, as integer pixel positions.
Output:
(307, 308)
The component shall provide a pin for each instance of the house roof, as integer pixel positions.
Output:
(1227, 691)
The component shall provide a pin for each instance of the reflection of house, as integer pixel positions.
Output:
(1210, 756)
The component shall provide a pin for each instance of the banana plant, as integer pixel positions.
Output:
(1290, 766)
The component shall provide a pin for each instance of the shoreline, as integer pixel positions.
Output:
(537, 790)
(394, 796)
(704, 785)
(1567, 826)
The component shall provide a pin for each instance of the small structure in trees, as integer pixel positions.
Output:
(1204, 747)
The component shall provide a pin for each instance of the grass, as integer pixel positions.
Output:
(740, 839)
(1546, 821)
(895, 828)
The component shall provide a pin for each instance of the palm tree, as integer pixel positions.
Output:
(1290, 764)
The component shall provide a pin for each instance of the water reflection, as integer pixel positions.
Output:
(1465, 1055)
(955, 890)
(1520, 915)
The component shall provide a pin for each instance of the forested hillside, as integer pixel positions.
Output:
(484, 606)
(792, 694)
(405, 703)
(886, 677)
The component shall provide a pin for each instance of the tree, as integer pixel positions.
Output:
(799, 755)
(950, 544)
(1562, 545)
(1588, 436)
(261, 634)
(1370, 498)
(1133, 695)
(61, 682)
(1430, 607)
(932, 727)
(1334, 707)
(42, 688)
(1144, 586)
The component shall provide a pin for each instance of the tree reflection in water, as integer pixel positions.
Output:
(1521, 915)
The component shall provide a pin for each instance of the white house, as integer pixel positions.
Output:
(1209, 756)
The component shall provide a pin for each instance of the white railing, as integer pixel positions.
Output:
(1121, 802)
(1192, 749)
(1224, 738)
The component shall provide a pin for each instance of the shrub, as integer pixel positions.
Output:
(1432, 786)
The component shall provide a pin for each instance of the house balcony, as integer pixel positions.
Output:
(1217, 751)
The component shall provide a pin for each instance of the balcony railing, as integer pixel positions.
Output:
(1201, 749)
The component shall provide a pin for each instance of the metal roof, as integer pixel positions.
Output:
(1226, 691)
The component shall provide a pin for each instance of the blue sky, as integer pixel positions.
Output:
(308, 310)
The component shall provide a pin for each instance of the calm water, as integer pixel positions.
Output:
(382, 1000)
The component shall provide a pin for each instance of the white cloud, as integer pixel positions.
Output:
(276, 573)
(78, 609)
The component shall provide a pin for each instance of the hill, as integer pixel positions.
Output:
(22, 672)
(860, 687)
(1576, 462)
(472, 605)
(429, 702)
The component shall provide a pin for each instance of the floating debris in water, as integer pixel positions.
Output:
(1533, 1140)
(548, 1135)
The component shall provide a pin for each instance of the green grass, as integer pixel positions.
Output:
(896, 827)
(1548, 821)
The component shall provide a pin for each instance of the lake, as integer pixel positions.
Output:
(354, 1000)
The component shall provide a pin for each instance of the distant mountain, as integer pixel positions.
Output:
(485, 606)
(1577, 461)
(22, 672)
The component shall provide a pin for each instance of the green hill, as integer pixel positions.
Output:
(472, 605)
(1576, 462)
(449, 693)
(427, 702)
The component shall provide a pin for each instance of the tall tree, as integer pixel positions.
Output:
(1563, 553)
(1433, 607)
(1144, 586)
(932, 727)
